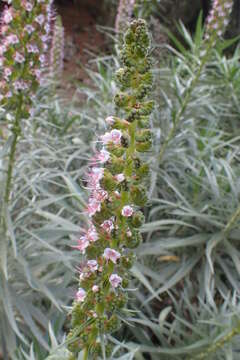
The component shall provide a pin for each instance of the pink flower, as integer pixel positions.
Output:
(92, 265)
(94, 177)
(110, 120)
(7, 16)
(40, 19)
(127, 211)
(120, 178)
(113, 136)
(80, 295)
(116, 136)
(103, 156)
(99, 195)
(115, 280)
(29, 29)
(93, 206)
(19, 58)
(7, 73)
(108, 226)
(82, 244)
(92, 234)
(111, 254)
(3, 49)
(95, 288)
(12, 39)
(106, 138)
(28, 6)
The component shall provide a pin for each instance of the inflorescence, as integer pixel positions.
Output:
(117, 194)
(24, 34)
(218, 18)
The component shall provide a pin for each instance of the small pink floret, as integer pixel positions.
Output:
(82, 244)
(120, 178)
(80, 295)
(115, 280)
(108, 226)
(111, 254)
(92, 265)
(92, 234)
(19, 58)
(7, 16)
(110, 120)
(95, 288)
(127, 211)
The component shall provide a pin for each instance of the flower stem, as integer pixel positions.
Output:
(185, 102)
(85, 354)
(16, 133)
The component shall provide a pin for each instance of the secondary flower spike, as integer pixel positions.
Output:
(218, 18)
(24, 35)
(116, 182)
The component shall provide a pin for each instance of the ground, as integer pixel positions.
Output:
(83, 41)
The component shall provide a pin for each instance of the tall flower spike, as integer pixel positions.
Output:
(24, 35)
(57, 49)
(124, 15)
(218, 18)
(117, 195)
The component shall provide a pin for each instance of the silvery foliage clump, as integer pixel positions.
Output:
(185, 303)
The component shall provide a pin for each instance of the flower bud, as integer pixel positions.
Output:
(137, 219)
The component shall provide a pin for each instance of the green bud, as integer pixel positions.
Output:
(133, 241)
(115, 165)
(126, 262)
(144, 146)
(125, 283)
(143, 171)
(118, 151)
(112, 324)
(144, 122)
(108, 182)
(137, 219)
(138, 195)
(78, 315)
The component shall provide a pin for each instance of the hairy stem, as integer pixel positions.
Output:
(16, 133)
(218, 344)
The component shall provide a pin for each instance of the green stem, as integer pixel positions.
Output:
(217, 345)
(85, 354)
(16, 133)
(232, 221)
(185, 102)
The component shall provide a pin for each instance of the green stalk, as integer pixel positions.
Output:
(217, 345)
(232, 221)
(85, 354)
(185, 101)
(16, 133)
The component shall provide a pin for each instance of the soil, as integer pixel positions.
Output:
(83, 42)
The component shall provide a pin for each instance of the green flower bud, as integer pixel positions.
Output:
(138, 195)
(137, 219)
(133, 241)
(143, 122)
(112, 325)
(144, 146)
(108, 182)
(78, 315)
(143, 135)
(116, 165)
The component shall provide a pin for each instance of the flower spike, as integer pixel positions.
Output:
(117, 195)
